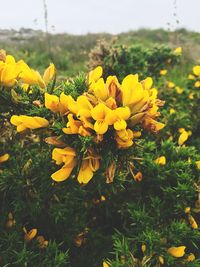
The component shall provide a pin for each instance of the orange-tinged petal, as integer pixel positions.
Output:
(177, 252)
(4, 157)
(62, 174)
(30, 235)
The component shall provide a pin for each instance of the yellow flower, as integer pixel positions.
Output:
(138, 176)
(67, 156)
(191, 257)
(105, 264)
(179, 90)
(192, 222)
(196, 70)
(30, 76)
(191, 96)
(172, 111)
(177, 252)
(132, 90)
(90, 164)
(183, 137)
(30, 234)
(170, 85)
(163, 72)
(51, 102)
(118, 118)
(99, 113)
(187, 210)
(100, 90)
(191, 77)
(9, 72)
(152, 125)
(4, 157)
(198, 164)
(49, 73)
(161, 260)
(124, 138)
(42, 242)
(178, 51)
(11, 221)
(94, 75)
(197, 84)
(27, 122)
(161, 160)
(143, 248)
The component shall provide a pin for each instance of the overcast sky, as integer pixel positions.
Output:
(113, 16)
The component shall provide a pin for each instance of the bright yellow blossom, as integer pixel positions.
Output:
(170, 85)
(198, 164)
(192, 222)
(191, 77)
(172, 111)
(163, 72)
(66, 156)
(27, 122)
(161, 160)
(90, 164)
(183, 136)
(4, 157)
(190, 257)
(196, 70)
(179, 90)
(178, 51)
(49, 73)
(197, 84)
(177, 252)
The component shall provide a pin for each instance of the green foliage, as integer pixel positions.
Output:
(86, 225)
(121, 60)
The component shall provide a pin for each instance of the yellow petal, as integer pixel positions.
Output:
(183, 138)
(177, 252)
(62, 174)
(120, 125)
(100, 90)
(51, 102)
(85, 174)
(100, 127)
(95, 74)
(49, 73)
(99, 111)
(161, 160)
(4, 158)
(30, 235)
(196, 70)
(191, 257)
(198, 164)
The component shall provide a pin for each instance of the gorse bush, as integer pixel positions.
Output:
(121, 60)
(125, 191)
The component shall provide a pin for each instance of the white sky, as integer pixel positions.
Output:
(113, 16)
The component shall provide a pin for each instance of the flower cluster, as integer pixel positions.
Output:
(195, 76)
(108, 112)
(14, 72)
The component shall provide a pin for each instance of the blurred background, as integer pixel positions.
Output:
(66, 31)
